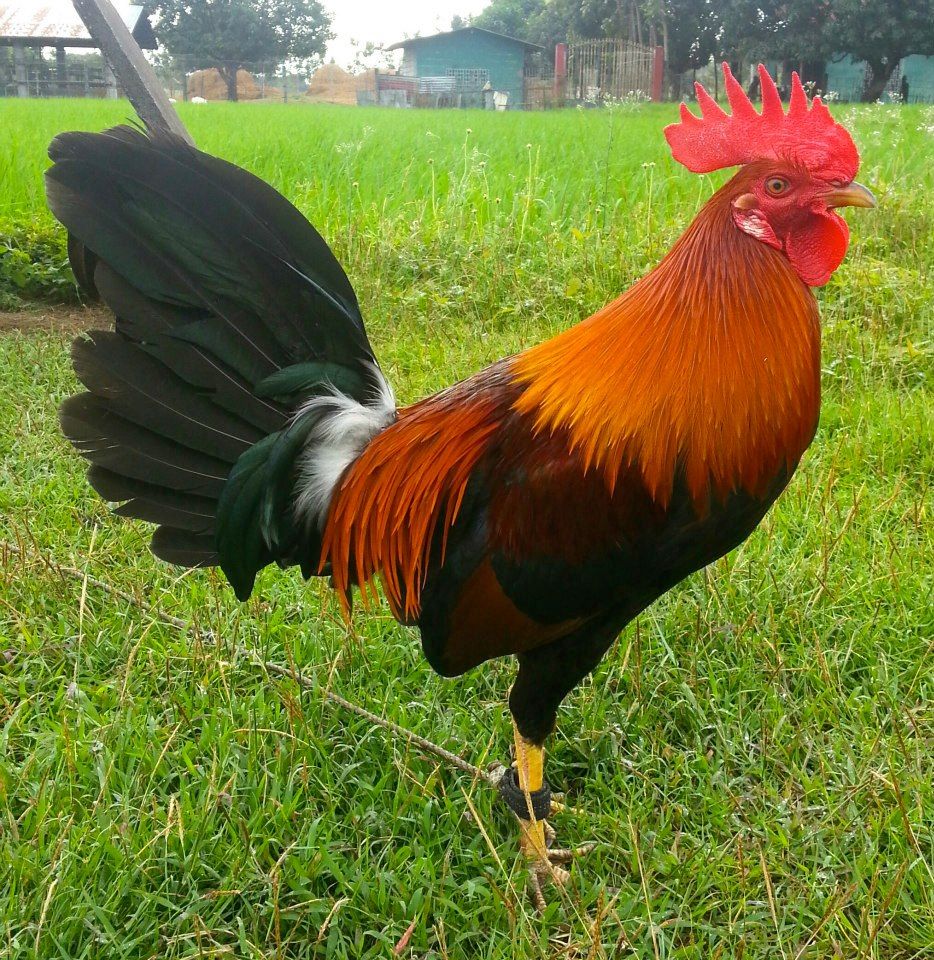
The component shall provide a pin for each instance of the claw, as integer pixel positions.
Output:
(546, 862)
(527, 793)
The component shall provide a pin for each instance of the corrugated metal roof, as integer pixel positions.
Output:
(54, 19)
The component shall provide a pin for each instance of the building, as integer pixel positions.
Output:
(912, 80)
(27, 27)
(470, 67)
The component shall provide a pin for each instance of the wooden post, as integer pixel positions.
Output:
(19, 70)
(658, 75)
(133, 70)
(561, 70)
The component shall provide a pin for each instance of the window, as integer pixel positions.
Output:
(471, 79)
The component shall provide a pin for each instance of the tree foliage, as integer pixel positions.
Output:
(227, 34)
(882, 32)
(797, 32)
(536, 21)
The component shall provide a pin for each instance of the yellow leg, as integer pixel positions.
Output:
(536, 835)
(530, 766)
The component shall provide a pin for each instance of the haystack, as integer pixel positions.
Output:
(211, 85)
(332, 84)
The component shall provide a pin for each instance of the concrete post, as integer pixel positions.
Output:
(19, 70)
(61, 75)
(658, 75)
(111, 80)
(561, 70)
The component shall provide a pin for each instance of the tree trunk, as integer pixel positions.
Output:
(228, 74)
(639, 38)
(880, 72)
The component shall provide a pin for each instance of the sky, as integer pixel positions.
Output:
(387, 21)
(380, 21)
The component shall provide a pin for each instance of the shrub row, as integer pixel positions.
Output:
(34, 264)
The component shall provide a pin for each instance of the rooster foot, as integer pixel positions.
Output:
(546, 863)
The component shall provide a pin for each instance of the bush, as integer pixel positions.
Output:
(34, 264)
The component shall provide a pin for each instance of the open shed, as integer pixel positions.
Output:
(29, 26)
(464, 61)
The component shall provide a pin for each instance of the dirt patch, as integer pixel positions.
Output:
(56, 320)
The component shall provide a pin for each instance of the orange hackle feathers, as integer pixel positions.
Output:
(408, 483)
(708, 365)
(806, 134)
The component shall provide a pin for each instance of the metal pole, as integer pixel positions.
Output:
(133, 70)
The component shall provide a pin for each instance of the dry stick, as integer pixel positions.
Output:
(491, 777)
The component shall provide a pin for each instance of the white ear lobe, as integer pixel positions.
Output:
(753, 222)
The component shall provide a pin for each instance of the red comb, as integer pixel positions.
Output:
(807, 134)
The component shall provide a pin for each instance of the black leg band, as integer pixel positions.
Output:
(512, 793)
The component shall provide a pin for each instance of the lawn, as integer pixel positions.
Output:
(755, 755)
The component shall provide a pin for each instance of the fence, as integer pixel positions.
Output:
(186, 79)
(588, 72)
(37, 76)
(598, 70)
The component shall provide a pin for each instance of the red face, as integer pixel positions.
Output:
(791, 209)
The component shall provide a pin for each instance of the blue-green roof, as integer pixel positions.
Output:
(451, 33)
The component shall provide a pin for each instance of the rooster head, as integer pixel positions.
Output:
(797, 168)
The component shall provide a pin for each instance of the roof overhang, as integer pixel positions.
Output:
(53, 23)
(413, 41)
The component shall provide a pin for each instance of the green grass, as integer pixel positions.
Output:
(755, 755)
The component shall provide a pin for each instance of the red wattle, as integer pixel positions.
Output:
(818, 247)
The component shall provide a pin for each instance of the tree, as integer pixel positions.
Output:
(547, 22)
(227, 34)
(687, 30)
(513, 18)
(882, 33)
(802, 34)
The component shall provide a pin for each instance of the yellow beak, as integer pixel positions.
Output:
(852, 195)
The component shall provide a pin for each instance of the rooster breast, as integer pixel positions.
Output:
(542, 547)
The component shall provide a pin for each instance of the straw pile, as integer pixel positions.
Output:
(211, 85)
(332, 84)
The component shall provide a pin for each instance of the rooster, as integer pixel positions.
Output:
(532, 510)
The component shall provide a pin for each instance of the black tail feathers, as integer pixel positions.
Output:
(231, 311)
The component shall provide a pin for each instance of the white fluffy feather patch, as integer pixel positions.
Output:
(346, 427)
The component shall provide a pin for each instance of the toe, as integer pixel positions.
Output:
(567, 855)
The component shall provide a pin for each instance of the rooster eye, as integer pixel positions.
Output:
(776, 186)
